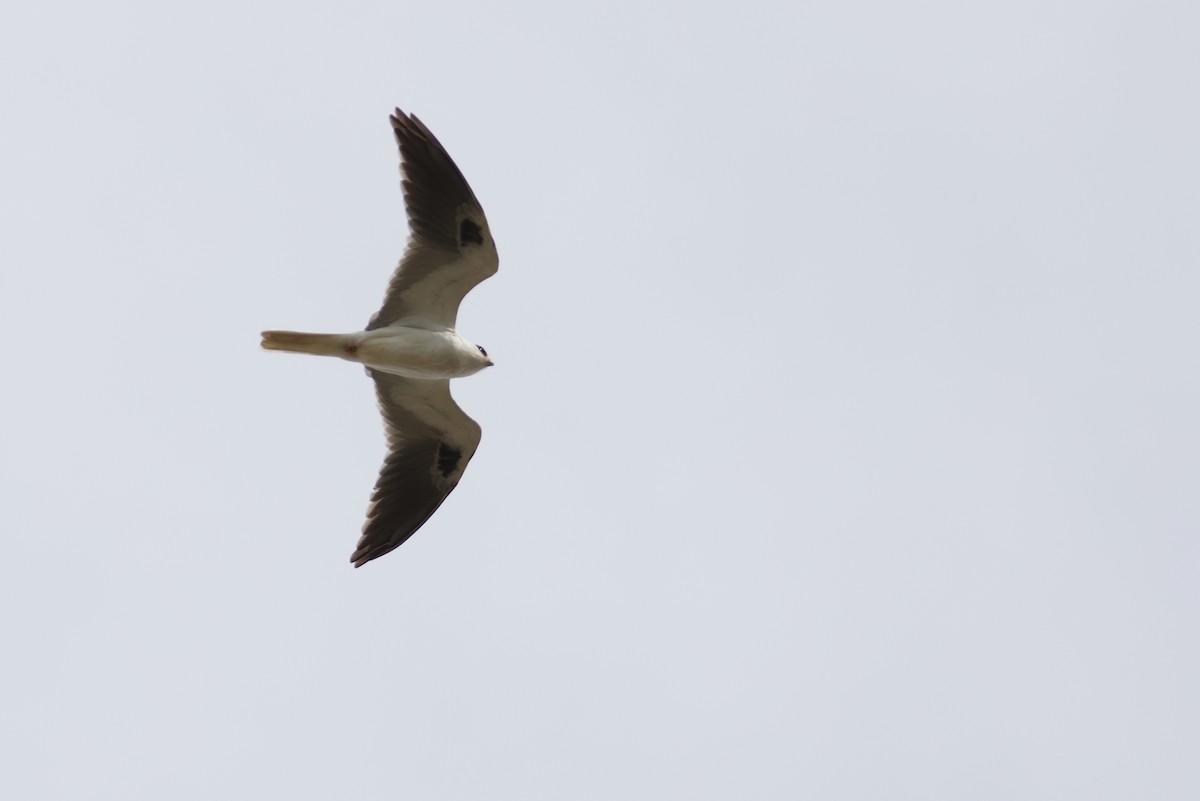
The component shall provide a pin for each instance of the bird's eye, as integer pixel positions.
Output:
(481, 350)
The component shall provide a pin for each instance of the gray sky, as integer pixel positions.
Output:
(842, 442)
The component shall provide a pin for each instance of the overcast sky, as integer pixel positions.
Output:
(842, 442)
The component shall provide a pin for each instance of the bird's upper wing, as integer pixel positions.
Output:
(430, 441)
(450, 247)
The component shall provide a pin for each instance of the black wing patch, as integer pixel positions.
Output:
(447, 459)
(469, 232)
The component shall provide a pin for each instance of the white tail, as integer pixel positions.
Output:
(316, 344)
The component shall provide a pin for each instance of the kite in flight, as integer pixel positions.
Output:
(410, 347)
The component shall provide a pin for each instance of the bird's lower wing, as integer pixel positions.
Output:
(430, 441)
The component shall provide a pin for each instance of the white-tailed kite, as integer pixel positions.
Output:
(411, 348)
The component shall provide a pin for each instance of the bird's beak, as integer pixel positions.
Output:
(491, 363)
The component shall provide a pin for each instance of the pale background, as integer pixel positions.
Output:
(842, 442)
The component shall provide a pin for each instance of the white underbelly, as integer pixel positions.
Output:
(417, 353)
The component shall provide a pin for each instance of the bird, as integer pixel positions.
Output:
(411, 347)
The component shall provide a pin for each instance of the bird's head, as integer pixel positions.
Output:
(487, 359)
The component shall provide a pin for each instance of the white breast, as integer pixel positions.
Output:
(419, 353)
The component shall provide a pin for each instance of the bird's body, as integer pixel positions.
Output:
(402, 350)
(411, 347)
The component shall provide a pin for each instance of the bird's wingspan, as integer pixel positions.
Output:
(430, 441)
(450, 247)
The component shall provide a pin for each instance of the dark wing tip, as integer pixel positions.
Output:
(369, 551)
(399, 119)
(409, 129)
